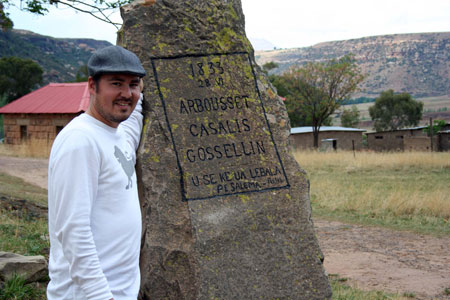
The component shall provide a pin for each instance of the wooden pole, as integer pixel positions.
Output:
(353, 144)
(431, 133)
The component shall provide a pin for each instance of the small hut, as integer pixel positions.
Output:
(341, 138)
(41, 114)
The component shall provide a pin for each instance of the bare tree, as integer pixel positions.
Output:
(99, 9)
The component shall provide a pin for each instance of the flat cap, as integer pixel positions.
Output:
(115, 59)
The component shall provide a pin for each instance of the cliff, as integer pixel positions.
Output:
(416, 63)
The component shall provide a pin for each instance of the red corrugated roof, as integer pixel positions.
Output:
(50, 99)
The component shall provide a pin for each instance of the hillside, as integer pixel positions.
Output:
(415, 63)
(437, 108)
(59, 58)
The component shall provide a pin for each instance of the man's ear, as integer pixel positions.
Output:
(92, 86)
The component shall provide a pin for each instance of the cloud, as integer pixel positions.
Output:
(288, 23)
(64, 22)
(284, 23)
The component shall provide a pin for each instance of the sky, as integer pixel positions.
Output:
(281, 23)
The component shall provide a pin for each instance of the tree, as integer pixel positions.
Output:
(394, 111)
(100, 9)
(438, 125)
(18, 77)
(5, 21)
(2, 103)
(319, 88)
(350, 117)
(82, 74)
(269, 66)
(297, 117)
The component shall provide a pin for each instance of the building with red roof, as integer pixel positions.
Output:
(41, 114)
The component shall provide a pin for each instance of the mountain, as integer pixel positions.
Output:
(59, 58)
(261, 44)
(417, 63)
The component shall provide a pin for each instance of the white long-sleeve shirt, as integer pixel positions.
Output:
(93, 210)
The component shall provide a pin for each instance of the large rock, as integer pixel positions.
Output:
(31, 268)
(225, 206)
(23, 208)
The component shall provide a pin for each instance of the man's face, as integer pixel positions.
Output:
(113, 98)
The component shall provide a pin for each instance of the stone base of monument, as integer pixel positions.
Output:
(225, 206)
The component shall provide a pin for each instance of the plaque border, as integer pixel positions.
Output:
(183, 190)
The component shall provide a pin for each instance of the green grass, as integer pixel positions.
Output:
(387, 203)
(390, 193)
(17, 289)
(23, 234)
(26, 236)
(15, 187)
(404, 191)
(343, 291)
(419, 224)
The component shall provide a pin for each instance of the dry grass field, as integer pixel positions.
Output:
(404, 188)
(30, 149)
(407, 190)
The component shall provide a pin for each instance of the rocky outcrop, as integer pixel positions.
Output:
(59, 58)
(31, 268)
(414, 63)
(23, 208)
(225, 206)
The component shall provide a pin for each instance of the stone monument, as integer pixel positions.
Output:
(226, 212)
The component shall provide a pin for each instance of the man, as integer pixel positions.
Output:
(94, 213)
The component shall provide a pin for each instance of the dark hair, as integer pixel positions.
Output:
(96, 79)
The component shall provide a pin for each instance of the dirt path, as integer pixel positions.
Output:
(375, 258)
(372, 258)
(32, 170)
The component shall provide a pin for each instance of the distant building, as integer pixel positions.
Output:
(330, 137)
(41, 114)
(409, 139)
(394, 140)
(444, 140)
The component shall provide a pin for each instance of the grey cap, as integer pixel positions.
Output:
(115, 59)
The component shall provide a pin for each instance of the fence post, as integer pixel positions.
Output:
(431, 133)
(353, 144)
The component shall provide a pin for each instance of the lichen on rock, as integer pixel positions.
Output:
(226, 215)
